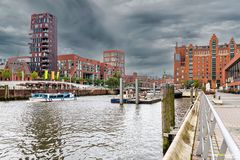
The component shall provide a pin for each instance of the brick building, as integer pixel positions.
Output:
(72, 65)
(204, 63)
(19, 68)
(107, 70)
(231, 73)
(43, 45)
(116, 58)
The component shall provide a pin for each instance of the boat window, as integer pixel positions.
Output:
(52, 96)
(45, 96)
(67, 96)
(60, 96)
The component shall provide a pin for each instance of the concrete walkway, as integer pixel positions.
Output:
(229, 112)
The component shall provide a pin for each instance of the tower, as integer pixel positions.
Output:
(43, 45)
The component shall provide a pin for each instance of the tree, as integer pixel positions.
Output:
(196, 83)
(34, 75)
(6, 74)
(97, 82)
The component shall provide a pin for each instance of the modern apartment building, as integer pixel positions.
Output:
(72, 65)
(115, 58)
(43, 45)
(204, 63)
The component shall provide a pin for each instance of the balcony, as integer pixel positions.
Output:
(45, 66)
(45, 50)
(45, 45)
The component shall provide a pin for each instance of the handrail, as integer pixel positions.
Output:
(233, 148)
(207, 110)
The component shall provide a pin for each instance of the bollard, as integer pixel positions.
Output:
(121, 91)
(136, 91)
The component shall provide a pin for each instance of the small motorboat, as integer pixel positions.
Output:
(51, 97)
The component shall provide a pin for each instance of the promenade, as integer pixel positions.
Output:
(229, 113)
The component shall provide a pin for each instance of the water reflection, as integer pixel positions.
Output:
(43, 127)
(89, 128)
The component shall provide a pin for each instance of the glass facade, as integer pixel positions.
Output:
(190, 63)
(231, 50)
(234, 72)
(213, 60)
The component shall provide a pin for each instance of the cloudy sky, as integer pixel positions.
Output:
(146, 29)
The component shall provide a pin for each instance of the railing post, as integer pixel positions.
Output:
(222, 151)
(201, 107)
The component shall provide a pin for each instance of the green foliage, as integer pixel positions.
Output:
(189, 83)
(89, 81)
(65, 78)
(6, 74)
(114, 81)
(34, 75)
(196, 83)
(19, 74)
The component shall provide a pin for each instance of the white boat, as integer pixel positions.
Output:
(49, 97)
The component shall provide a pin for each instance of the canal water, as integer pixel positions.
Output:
(89, 128)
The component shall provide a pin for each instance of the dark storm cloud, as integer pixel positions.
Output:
(146, 30)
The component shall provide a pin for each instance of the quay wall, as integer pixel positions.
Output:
(181, 147)
(23, 94)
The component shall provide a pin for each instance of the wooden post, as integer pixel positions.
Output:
(168, 114)
(121, 91)
(136, 91)
(154, 88)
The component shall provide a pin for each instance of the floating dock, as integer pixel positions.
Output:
(141, 101)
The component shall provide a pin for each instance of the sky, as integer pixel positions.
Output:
(147, 30)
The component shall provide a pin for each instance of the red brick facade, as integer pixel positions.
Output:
(72, 65)
(204, 63)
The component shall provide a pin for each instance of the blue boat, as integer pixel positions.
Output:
(117, 100)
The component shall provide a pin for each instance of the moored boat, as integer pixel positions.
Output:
(50, 97)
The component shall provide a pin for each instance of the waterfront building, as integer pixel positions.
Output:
(115, 58)
(147, 81)
(204, 63)
(231, 73)
(19, 68)
(73, 65)
(43, 45)
(107, 70)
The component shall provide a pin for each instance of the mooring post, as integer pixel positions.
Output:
(121, 91)
(168, 114)
(154, 88)
(136, 91)
(5, 89)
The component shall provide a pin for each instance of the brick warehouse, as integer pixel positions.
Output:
(43, 45)
(204, 63)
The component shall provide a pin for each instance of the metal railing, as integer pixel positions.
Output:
(207, 124)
